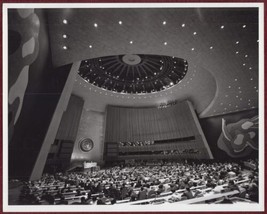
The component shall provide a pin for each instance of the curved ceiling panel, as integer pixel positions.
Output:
(201, 95)
(221, 40)
(134, 74)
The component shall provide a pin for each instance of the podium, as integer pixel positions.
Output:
(90, 166)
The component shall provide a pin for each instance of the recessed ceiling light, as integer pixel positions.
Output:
(131, 42)
(120, 22)
(65, 47)
(183, 25)
(222, 27)
(236, 52)
(244, 26)
(229, 86)
(165, 43)
(237, 42)
(246, 55)
(192, 49)
(90, 46)
(235, 79)
(251, 78)
(195, 33)
(211, 47)
(250, 68)
(244, 64)
(164, 22)
(95, 25)
(65, 21)
(65, 36)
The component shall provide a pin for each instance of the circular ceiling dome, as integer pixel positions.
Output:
(134, 73)
(131, 59)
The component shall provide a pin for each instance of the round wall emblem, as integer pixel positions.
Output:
(86, 144)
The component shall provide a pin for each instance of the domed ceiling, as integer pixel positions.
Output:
(133, 73)
(217, 48)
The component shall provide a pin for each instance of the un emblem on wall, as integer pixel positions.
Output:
(86, 145)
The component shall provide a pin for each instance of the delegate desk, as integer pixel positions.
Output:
(207, 198)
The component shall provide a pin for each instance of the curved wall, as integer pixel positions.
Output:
(138, 124)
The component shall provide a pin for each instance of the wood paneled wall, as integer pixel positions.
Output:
(139, 124)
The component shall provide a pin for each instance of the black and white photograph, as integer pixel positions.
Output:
(133, 107)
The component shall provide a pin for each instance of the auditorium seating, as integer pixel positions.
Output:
(167, 183)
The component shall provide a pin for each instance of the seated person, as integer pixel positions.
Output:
(188, 193)
(151, 193)
(161, 189)
(142, 194)
(63, 201)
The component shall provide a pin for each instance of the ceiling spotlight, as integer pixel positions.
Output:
(246, 55)
(65, 21)
(183, 25)
(236, 52)
(244, 64)
(244, 26)
(90, 46)
(192, 49)
(164, 22)
(95, 25)
(195, 33)
(211, 47)
(250, 68)
(222, 27)
(165, 43)
(65, 47)
(65, 36)
(235, 79)
(120, 22)
(237, 42)
(171, 83)
(131, 42)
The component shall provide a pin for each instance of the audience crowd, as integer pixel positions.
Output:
(139, 181)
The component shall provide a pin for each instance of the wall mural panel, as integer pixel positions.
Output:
(234, 135)
(239, 139)
(23, 50)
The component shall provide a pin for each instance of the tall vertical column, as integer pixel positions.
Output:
(54, 124)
